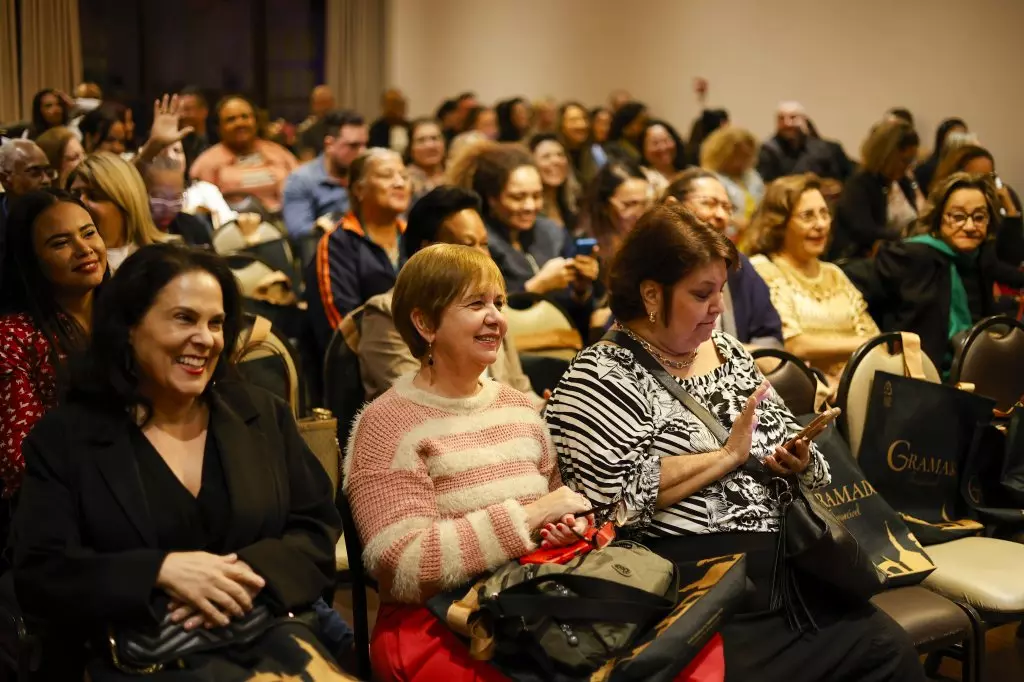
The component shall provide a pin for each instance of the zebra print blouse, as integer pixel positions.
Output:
(612, 422)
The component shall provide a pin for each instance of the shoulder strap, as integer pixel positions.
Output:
(595, 600)
(668, 381)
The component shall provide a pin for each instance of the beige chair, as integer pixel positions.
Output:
(258, 341)
(240, 234)
(540, 327)
(982, 573)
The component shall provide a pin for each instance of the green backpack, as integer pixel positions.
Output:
(574, 616)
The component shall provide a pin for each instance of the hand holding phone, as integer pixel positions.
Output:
(815, 427)
(794, 456)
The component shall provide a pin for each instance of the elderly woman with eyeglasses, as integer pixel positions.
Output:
(938, 282)
(824, 317)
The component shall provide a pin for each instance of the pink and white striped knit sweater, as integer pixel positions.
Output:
(437, 485)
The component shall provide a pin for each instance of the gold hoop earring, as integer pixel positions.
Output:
(652, 316)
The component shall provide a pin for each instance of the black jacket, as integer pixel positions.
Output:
(779, 158)
(380, 133)
(908, 288)
(861, 214)
(85, 548)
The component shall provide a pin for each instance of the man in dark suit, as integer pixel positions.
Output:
(391, 130)
(23, 168)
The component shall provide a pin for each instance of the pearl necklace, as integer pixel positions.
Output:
(691, 357)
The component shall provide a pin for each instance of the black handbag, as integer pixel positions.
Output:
(811, 537)
(143, 651)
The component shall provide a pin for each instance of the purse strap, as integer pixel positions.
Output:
(595, 600)
(648, 362)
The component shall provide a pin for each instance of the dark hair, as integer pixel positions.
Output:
(447, 107)
(567, 193)
(486, 167)
(96, 124)
(942, 132)
(227, 98)
(337, 119)
(468, 94)
(679, 162)
(667, 244)
(26, 289)
(39, 124)
(682, 184)
(429, 213)
(931, 219)
(415, 125)
(902, 113)
(507, 131)
(595, 218)
(107, 375)
(627, 113)
(194, 91)
(708, 122)
(471, 117)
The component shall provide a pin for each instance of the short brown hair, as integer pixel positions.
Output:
(931, 218)
(431, 280)
(667, 244)
(768, 224)
(485, 168)
(53, 143)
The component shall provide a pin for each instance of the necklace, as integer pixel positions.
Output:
(690, 357)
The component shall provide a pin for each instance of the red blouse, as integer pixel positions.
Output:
(28, 388)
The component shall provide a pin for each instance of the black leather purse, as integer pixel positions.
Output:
(147, 651)
(811, 537)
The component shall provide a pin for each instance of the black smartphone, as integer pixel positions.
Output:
(585, 246)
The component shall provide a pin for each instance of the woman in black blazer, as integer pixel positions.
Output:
(162, 491)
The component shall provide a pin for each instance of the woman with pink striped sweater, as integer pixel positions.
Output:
(449, 474)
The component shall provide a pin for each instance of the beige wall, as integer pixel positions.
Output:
(846, 61)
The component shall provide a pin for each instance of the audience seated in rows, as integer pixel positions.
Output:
(448, 474)
(360, 257)
(824, 317)
(56, 261)
(425, 157)
(730, 153)
(561, 190)
(391, 130)
(938, 282)
(446, 215)
(242, 163)
(577, 136)
(747, 312)
(319, 187)
(63, 151)
(125, 515)
(881, 200)
(114, 193)
(534, 254)
(619, 435)
(23, 168)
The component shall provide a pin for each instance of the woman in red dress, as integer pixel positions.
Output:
(56, 259)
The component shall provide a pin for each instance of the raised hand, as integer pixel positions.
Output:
(166, 116)
(737, 448)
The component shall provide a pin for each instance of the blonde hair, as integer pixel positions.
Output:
(885, 141)
(431, 280)
(720, 145)
(123, 184)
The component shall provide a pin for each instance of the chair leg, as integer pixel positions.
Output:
(362, 632)
(974, 647)
(932, 663)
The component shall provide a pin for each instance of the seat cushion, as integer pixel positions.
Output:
(982, 572)
(930, 619)
(341, 555)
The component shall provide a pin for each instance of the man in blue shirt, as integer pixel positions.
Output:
(320, 187)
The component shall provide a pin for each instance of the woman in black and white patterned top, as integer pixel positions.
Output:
(620, 435)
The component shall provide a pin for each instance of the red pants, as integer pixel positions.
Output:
(410, 645)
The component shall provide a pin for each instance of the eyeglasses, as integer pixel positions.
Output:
(712, 203)
(807, 217)
(958, 219)
(40, 172)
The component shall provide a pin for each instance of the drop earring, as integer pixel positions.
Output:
(430, 354)
(652, 316)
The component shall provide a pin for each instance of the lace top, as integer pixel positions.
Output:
(612, 422)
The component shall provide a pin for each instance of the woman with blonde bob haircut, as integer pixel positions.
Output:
(731, 153)
(881, 200)
(824, 317)
(449, 473)
(114, 193)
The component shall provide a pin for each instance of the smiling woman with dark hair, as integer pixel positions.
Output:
(49, 110)
(56, 263)
(162, 496)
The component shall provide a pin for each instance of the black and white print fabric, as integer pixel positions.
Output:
(612, 422)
